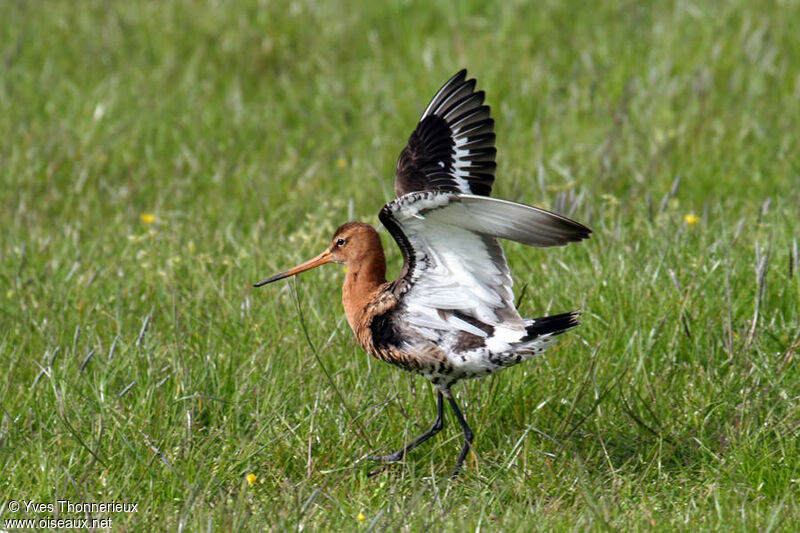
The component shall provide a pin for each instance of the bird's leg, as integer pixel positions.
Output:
(435, 428)
(468, 435)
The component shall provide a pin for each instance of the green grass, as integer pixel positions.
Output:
(251, 131)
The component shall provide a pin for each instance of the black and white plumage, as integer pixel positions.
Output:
(452, 148)
(450, 315)
(455, 291)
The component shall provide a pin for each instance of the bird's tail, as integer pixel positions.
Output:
(540, 334)
(554, 324)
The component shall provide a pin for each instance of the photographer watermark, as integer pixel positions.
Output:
(63, 514)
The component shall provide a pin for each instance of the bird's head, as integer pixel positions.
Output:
(352, 243)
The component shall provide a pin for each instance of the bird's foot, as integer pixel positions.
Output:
(395, 457)
(388, 460)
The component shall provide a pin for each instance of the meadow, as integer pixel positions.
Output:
(157, 158)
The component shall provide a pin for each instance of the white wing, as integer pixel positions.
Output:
(455, 273)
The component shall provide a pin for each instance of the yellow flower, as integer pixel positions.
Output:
(691, 219)
(341, 162)
(251, 479)
(147, 218)
(361, 516)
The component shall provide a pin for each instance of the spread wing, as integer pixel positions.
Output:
(455, 272)
(452, 148)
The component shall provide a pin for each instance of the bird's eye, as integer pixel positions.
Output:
(340, 242)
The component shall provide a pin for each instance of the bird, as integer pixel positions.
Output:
(450, 315)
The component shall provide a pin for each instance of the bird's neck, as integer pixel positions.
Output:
(363, 279)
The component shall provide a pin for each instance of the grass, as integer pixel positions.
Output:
(158, 157)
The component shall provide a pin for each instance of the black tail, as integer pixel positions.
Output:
(554, 324)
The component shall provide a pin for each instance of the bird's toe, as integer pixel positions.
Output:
(391, 458)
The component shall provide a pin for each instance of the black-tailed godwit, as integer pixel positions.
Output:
(450, 315)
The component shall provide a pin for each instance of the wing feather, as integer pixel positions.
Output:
(517, 222)
(454, 263)
(452, 148)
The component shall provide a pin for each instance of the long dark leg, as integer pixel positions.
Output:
(435, 428)
(468, 435)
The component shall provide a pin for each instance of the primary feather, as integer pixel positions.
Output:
(452, 148)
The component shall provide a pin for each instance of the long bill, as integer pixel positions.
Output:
(321, 259)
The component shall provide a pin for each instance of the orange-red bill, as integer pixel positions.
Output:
(321, 259)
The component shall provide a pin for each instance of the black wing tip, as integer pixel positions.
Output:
(579, 232)
(457, 80)
(575, 231)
